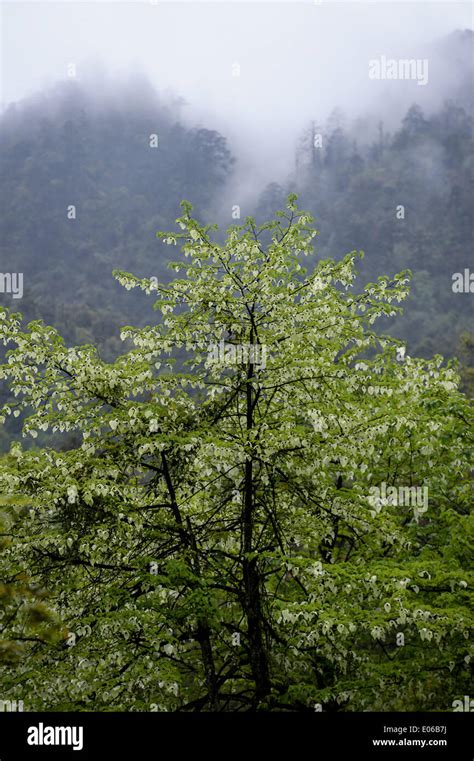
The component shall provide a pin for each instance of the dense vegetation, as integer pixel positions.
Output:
(355, 189)
(234, 532)
(72, 147)
(68, 148)
(193, 525)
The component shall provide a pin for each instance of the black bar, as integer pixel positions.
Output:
(110, 736)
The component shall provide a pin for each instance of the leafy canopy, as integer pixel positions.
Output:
(214, 542)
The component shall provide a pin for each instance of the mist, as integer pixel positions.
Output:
(256, 72)
(362, 109)
(233, 437)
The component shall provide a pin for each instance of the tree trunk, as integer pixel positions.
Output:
(252, 597)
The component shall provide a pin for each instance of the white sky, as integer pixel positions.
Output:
(298, 59)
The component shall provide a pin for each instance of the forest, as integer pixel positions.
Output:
(185, 526)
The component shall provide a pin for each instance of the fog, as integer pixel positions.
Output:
(237, 93)
(257, 72)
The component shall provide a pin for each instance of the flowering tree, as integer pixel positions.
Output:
(269, 507)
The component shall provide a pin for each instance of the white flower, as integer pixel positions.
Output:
(72, 494)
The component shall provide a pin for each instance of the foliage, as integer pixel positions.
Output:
(23, 606)
(215, 541)
(68, 149)
(354, 182)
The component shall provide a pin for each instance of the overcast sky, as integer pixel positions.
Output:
(298, 60)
